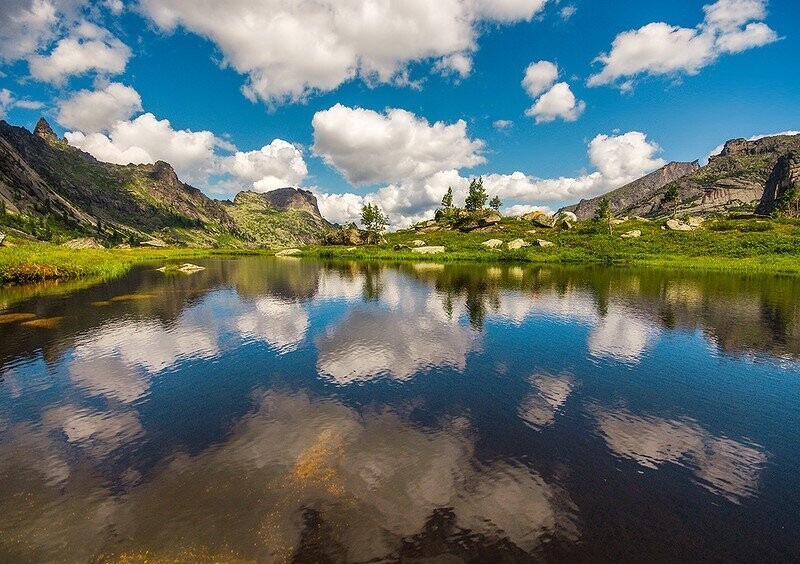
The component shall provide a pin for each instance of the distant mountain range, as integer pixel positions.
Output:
(54, 191)
(736, 180)
(50, 187)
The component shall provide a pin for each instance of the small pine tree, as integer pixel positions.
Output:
(671, 196)
(373, 220)
(447, 200)
(604, 213)
(495, 203)
(476, 199)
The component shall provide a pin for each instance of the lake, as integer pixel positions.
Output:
(289, 410)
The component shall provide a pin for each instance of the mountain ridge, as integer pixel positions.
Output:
(62, 189)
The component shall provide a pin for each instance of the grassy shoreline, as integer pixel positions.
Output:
(729, 246)
(767, 246)
(39, 262)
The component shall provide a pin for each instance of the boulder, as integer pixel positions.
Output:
(539, 219)
(348, 235)
(543, 243)
(675, 225)
(568, 215)
(83, 243)
(157, 243)
(492, 218)
(288, 253)
(123, 246)
(418, 243)
(492, 243)
(564, 224)
(428, 250)
(631, 234)
(399, 247)
(517, 244)
(695, 222)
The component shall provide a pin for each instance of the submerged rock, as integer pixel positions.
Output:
(428, 250)
(185, 268)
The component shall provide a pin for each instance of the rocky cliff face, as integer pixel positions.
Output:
(781, 191)
(638, 197)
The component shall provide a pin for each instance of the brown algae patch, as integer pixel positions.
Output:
(132, 297)
(15, 317)
(44, 322)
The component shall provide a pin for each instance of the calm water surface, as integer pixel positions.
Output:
(284, 410)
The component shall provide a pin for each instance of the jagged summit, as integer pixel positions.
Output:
(44, 131)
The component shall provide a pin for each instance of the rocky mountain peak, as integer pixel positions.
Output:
(44, 130)
(164, 172)
(285, 199)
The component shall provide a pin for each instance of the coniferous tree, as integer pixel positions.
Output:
(476, 199)
(604, 213)
(495, 203)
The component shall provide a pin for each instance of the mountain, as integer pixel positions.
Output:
(733, 181)
(283, 217)
(52, 189)
(636, 194)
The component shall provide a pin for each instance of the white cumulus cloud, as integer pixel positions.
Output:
(558, 102)
(729, 26)
(289, 50)
(368, 147)
(553, 99)
(98, 110)
(276, 165)
(88, 48)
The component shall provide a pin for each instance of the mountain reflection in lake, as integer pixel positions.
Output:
(287, 410)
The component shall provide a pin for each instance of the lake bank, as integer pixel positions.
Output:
(738, 246)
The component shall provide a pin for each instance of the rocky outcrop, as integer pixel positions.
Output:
(44, 131)
(348, 235)
(733, 180)
(83, 243)
(285, 199)
(637, 197)
(784, 179)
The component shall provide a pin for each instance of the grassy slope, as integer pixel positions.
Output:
(772, 246)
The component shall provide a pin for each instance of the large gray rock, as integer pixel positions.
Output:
(539, 219)
(492, 243)
(517, 244)
(544, 243)
(634, 234)
(675, 225)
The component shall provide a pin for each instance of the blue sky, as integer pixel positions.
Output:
(678, 80)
